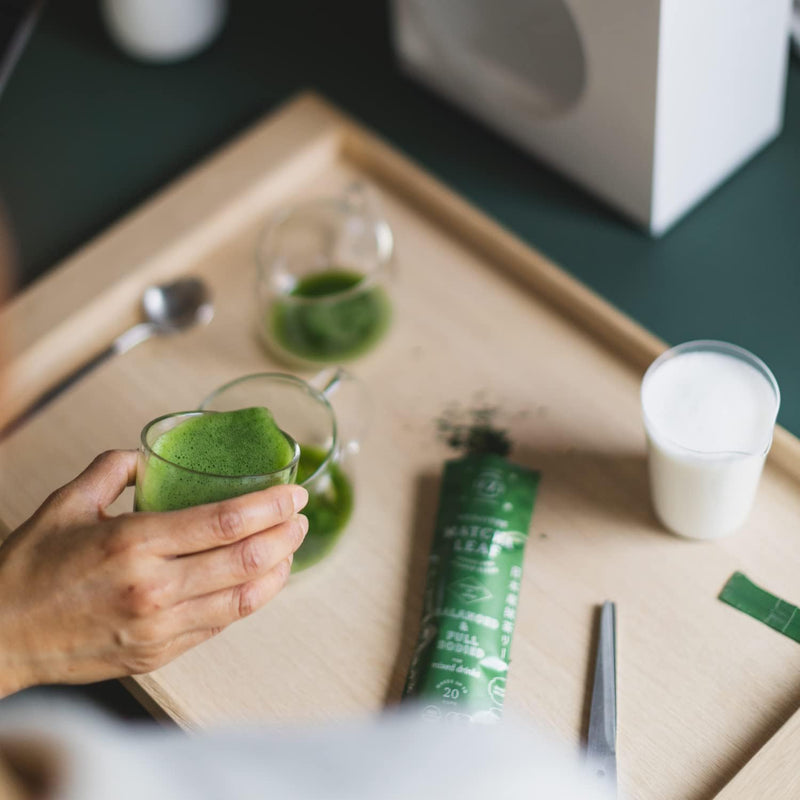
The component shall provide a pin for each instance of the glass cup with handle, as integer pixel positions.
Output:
(326, 415)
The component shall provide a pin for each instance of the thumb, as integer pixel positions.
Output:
(101, 483)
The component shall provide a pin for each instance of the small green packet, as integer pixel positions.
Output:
(459, 666)
(741, 593)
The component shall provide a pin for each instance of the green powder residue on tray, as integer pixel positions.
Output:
(740, 592)
(337, 324)
(473, 432)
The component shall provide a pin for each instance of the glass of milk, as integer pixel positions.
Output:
(709, 412)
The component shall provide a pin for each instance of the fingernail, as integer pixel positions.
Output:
(299, 497)
(302, 522)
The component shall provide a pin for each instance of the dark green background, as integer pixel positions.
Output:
(86, 134)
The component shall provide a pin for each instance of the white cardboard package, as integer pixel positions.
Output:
(649, 104)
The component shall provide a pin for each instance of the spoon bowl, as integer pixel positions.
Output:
(173, 307)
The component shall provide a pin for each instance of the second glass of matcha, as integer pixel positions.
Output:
(323, 269)
(327, 438)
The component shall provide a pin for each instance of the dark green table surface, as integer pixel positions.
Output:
(86, 134)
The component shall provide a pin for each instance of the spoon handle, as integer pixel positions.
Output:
(123, 343)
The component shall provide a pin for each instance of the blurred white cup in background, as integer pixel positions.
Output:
(163, 30)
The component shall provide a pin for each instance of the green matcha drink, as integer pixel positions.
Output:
(323, 271)
(329, 316)
(330, 503)
(200, 457)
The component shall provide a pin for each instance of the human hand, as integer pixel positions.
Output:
(85, 596)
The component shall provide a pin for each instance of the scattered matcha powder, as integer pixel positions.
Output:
(473, 431)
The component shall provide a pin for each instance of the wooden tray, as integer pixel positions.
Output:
(701, 686)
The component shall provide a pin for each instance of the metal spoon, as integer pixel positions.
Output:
(167, 309)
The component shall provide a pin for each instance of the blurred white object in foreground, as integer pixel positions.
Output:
(163, 30)
(396, 756)
(649, 104)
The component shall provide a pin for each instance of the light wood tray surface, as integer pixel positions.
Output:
(479, 317)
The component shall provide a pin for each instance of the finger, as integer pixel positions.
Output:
(99, 485)
(220, 609)
(192, 530)
(203, 573)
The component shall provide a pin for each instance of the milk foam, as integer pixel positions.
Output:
(711, 403)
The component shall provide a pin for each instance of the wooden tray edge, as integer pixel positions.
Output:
(147, 692)
(773, 772)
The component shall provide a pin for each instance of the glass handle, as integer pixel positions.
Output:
(350, 402)
(356, 196)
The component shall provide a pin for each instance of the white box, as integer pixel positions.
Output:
(649, 104)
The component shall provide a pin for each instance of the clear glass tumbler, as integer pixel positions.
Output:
(709, 412)
(162, 485)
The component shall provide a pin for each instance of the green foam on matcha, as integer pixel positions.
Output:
(234, 443)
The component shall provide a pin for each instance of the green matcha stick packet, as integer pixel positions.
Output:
(461, 660)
